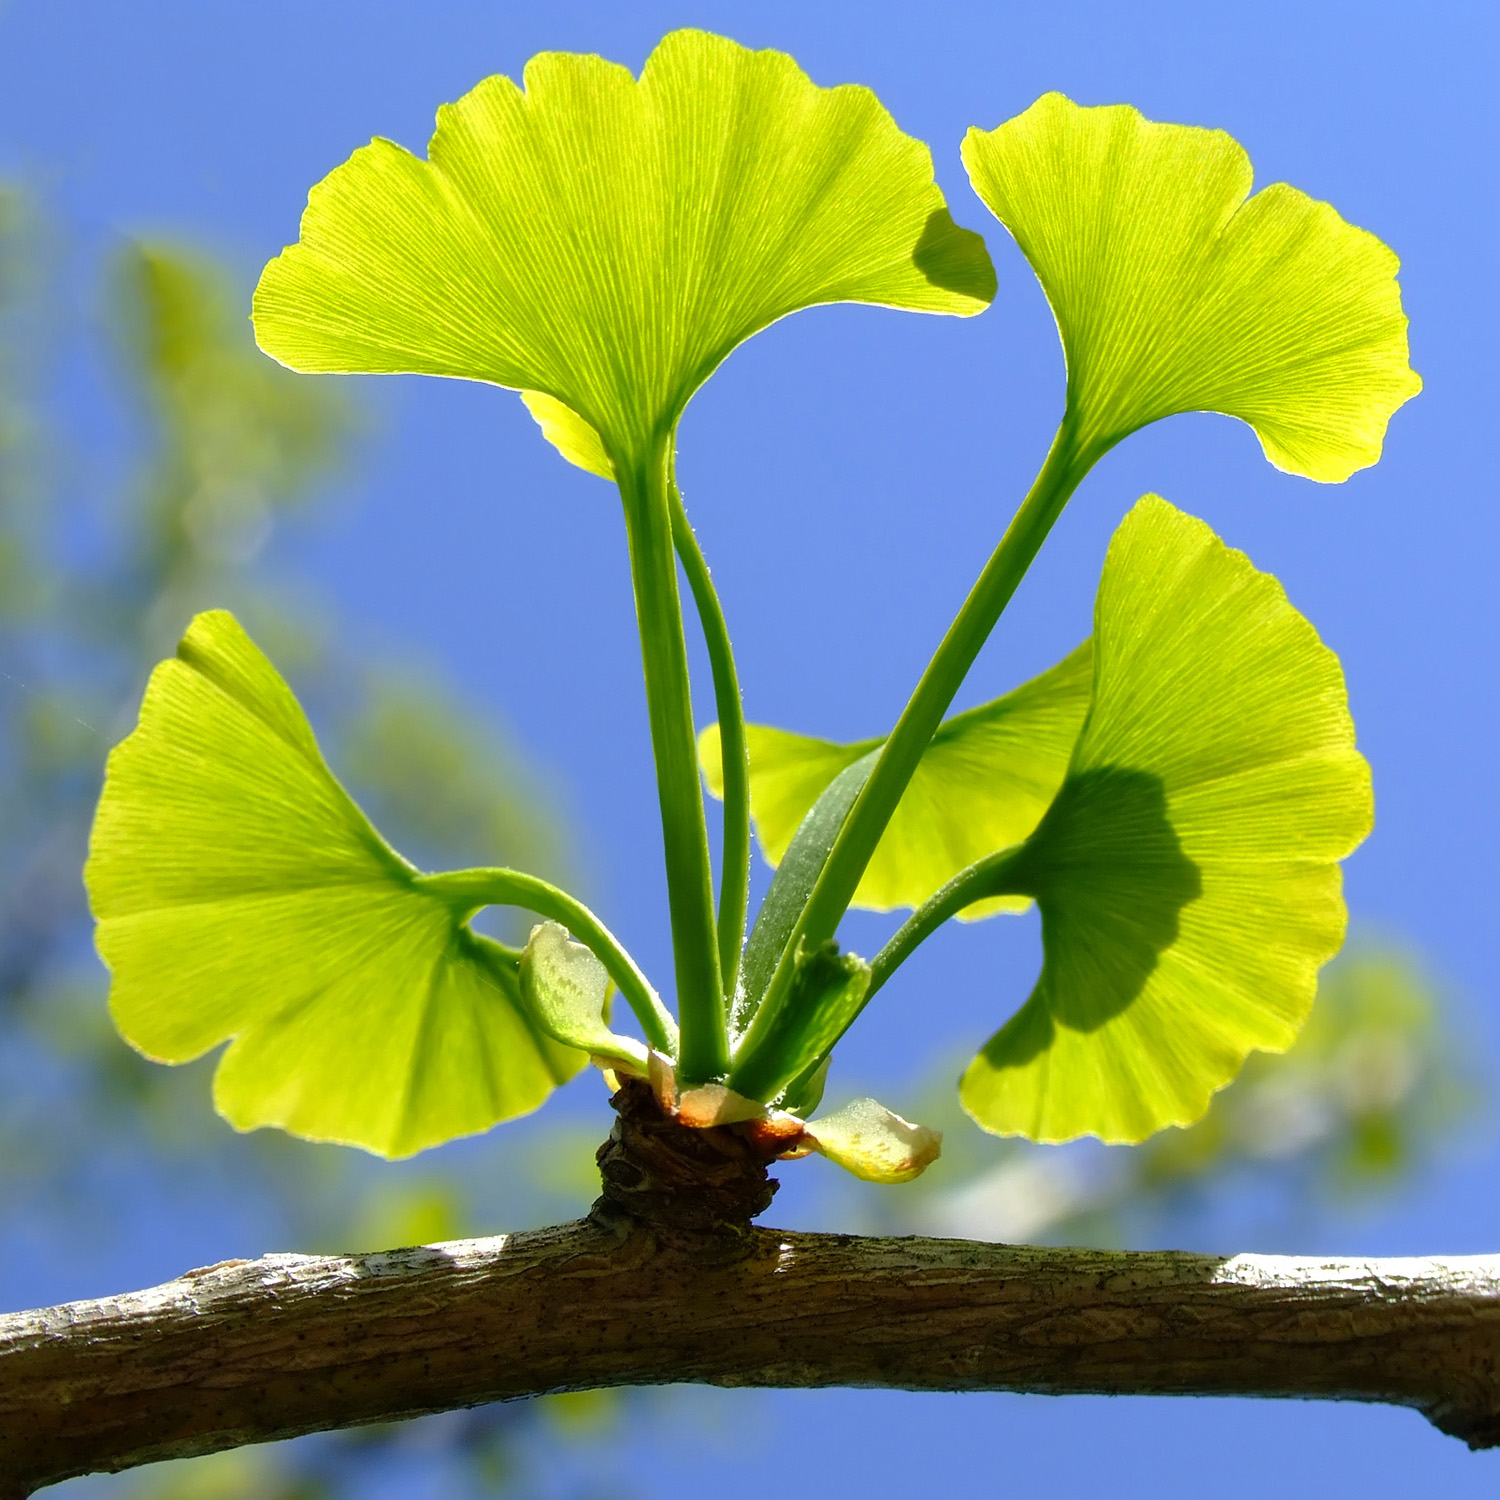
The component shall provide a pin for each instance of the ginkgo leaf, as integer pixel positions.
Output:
(874, 1143)
(606, 241)
(1175, 291)
(1187, 873)
(241, 896)
(567, 990)
(983, 784)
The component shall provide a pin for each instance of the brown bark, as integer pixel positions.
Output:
(250, 1351)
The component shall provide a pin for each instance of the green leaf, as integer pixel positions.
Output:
(826, 995)
(797, 872)
(241, 896)
(1187, 873)
(1174, 291)
(607, 242)
(983, 784)
(805, 1092)
(567, 989)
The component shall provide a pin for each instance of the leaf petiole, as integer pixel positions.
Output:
(645, 488)
(1067, 463)
(982, 879)
(734, 876)
(835, 1010)
(500, 887)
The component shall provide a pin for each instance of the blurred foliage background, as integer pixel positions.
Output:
(98, 579)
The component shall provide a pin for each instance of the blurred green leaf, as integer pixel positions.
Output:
(23, 586)
(76, 642)
(231, 424)
(583, 1413)
(240, 1474)
(237, 442)
(1373, 1080)
(444, 784)
(420, 1212)
(1291, 1134)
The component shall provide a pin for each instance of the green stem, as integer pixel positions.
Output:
(653, 569)
(734, 875)
(472, 889)
(1060, 475)
(982, 879)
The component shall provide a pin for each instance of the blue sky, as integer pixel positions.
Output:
(848, 472)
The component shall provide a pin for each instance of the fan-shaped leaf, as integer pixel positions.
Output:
(242, 896)
(982, 785)
(1175, 292)
(1187, 873)
(607, 241)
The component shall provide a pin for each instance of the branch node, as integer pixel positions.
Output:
(681, 1183)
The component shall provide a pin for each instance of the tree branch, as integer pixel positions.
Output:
(250, 1351)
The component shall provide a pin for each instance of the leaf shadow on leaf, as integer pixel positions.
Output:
(1110, 877)
(954, 258)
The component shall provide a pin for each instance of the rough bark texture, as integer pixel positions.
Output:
(248, 1351)
(684, 1183)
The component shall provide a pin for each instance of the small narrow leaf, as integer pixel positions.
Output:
(982, 784)
(805, 1092)
(1175, 291)
(1187, 873)
(607, 242)
(796, 874)
(867, 1139)
(827, 992)
(241, 896)
(568, 989)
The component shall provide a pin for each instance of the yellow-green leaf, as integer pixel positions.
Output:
(1187, 874)
(874, 1143)
(606, 242)
(570, 434)
(241, 896)
(982, 785)
(1175, 291)
(568, 991)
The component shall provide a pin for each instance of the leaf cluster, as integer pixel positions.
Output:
(1175, 796)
